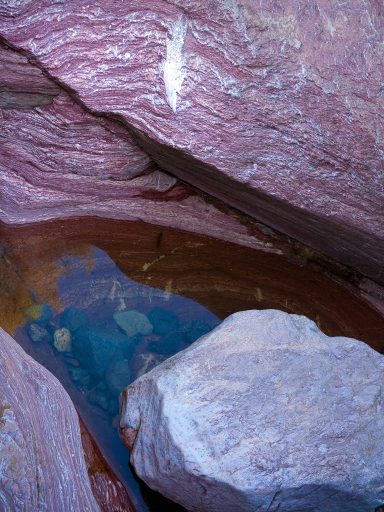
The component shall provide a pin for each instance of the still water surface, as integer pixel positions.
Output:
(99, 303)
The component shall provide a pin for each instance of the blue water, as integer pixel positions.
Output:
(107, 331)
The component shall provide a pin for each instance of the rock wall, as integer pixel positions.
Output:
(58, 160)
(274, 108)
(42, 461)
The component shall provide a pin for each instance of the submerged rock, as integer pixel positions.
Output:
(264, 413)
(73, 319)
(163, 321)
(195, 329)
(39, 313)
(42, 462)
(62, 340)
(38, 334)
(99, 395)
(96, 348)
(133, 323)
(169, 344)
(143, 363)
(118, 376)
(79, 376)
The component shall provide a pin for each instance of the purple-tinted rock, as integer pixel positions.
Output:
(42, 461)
(22, 85)
(276, 108)
(264, 413)
(57, 160)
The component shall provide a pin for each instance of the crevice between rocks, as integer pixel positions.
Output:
(262, 208)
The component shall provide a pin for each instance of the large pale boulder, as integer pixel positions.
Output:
(264, 413)
(275, 107)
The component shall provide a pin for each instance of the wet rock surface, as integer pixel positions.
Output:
(265, 412)
(274, 108)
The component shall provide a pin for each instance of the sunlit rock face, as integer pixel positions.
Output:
(273, 107)
(42, 461)
(263, 413)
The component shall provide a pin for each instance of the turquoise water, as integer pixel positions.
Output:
(107, 331)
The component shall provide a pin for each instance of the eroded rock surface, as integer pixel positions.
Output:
(42, 461)
(59, 160)
(264, 413)
(274, 107)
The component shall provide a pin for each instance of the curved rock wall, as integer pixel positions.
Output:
(274, 108)
(42, 462)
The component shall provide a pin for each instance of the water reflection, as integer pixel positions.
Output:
(108, 329)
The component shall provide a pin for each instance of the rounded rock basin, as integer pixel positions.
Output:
(99, 302)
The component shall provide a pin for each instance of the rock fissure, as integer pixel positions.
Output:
(183, 37)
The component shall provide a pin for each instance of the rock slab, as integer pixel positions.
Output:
(42, 462)
(264, 413)
(58, 160)
(274, 107)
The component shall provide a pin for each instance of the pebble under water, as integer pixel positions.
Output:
(107, 331)
(99, 303)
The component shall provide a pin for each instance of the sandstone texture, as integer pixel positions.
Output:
(42, 463)
(264, 413)
(274, 107)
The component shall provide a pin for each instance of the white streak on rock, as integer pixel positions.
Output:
(173, 65)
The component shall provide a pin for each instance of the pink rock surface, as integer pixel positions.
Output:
(42, 461)
(107, 488)
(58, 160)
(275, 108)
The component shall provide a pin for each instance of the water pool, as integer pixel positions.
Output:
(100, 302)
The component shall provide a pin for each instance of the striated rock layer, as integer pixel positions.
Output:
(276, 108)
(107, 488)
(221, 276)
(264, 413)
(42, 462)
(57, 160)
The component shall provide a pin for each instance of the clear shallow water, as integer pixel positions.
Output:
(73, 277)
(108, 331)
